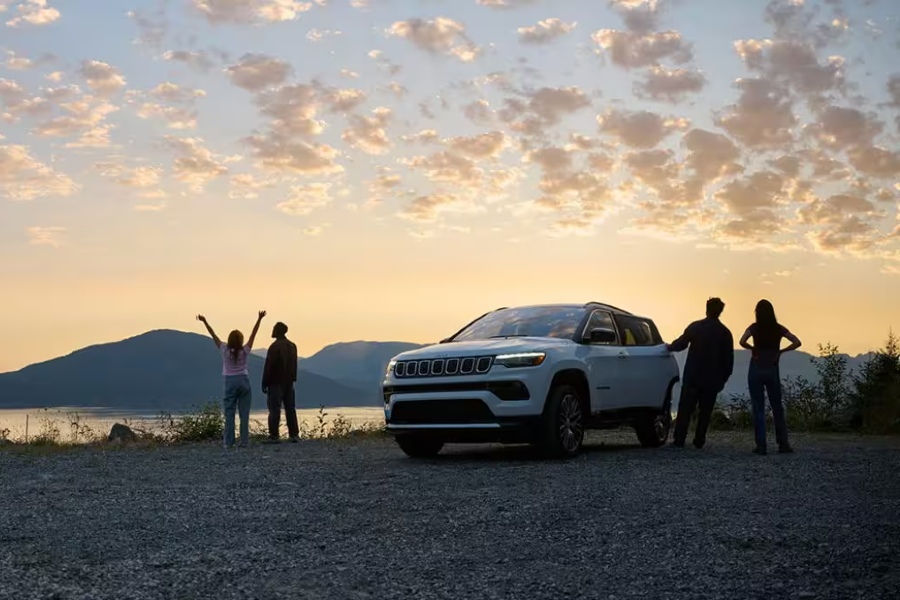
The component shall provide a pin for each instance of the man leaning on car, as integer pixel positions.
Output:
(709, 364)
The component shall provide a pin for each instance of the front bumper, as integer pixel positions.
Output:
(500, 406)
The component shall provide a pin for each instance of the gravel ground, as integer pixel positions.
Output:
(357, 519)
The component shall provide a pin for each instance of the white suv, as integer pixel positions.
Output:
(533, 374)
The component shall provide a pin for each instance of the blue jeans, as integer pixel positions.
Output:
(237, 396)
(763, 380)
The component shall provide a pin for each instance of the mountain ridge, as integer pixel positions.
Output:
(171, 369)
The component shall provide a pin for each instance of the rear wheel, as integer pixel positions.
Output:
(419, 447)
(563, 433)
(653, 428)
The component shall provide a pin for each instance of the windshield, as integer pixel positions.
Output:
(538, 321)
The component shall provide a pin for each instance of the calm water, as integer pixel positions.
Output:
(100, 421)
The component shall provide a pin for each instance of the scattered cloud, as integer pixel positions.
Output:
(194, 164)
(243, 12)
(669, 85)
(256, 72)
(22, 177)
(440, 35)
(46, 236)
(305, 199)
(103, 78)
(639, 129)
(545, 31)
(32, 12)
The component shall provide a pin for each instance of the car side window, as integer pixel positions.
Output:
(600, 320)
(635, 332)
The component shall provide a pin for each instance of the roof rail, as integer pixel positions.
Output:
(604, 304)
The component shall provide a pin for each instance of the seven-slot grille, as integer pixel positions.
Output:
(443, 367)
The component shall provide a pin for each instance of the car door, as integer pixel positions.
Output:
(647, 361)
(603, 362)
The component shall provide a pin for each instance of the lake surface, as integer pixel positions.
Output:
(33, 421)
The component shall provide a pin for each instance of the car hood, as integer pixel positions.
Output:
(483, 347)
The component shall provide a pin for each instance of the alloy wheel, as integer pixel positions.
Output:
(571, 429)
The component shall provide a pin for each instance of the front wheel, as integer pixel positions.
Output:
(419, 447)
(563, 434)
(653, 427)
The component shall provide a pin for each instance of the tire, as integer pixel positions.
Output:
(419, 447)
(563, 427)
(653, 427)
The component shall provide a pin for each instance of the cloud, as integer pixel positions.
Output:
(243, 12)
(256, 72)
(632, 50)
(101, 77)
(138, 177)
(314, 230)
(306, 198)
(545, 107)
(14, 62)
(840, 128)
(485, 145)
(876, 162)
(33, 12)
(639, 129)
(669, 85)
(196, 59)
(282, 154)
(317, 35)
(45, 236)
(505, 4)
(545, 31)
(762, 117)
(168, 101)
(22, 177)
(247, 186)
(194, 164)
(368, 133)
(428, 209)
(86, 118)
(792, 63)
(440, 35)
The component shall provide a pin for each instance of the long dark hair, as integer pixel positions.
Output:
(766, 322)
(235, 344)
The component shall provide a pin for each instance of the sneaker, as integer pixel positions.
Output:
(786, 449)
(760, 451)
(271, 441)
(294, 439)
(676, 445)
(698, 446)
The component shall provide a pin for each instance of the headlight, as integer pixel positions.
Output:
(390, 367)
(521, 359)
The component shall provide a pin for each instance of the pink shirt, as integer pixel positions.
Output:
(230, 367)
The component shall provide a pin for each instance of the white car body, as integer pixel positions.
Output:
(504, 396)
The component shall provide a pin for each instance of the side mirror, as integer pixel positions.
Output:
(602, 335)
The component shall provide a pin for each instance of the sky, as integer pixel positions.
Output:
(390, 169)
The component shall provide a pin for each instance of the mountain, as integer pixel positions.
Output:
(793, 364)
(359, 363)
(158, 370)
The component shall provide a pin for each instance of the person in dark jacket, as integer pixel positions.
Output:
(764, 377)
(279, 376)
(709, 364)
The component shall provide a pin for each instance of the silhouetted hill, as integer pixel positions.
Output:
(359, 363)
(793, 364)
(158, 370)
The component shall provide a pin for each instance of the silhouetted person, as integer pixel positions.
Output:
(279, 375)
(763, 375)
(709, 364)
(237, 380)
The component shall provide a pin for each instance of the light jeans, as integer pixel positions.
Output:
(237, 396)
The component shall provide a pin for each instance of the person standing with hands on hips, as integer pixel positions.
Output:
(238, 395)
(764, 375)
